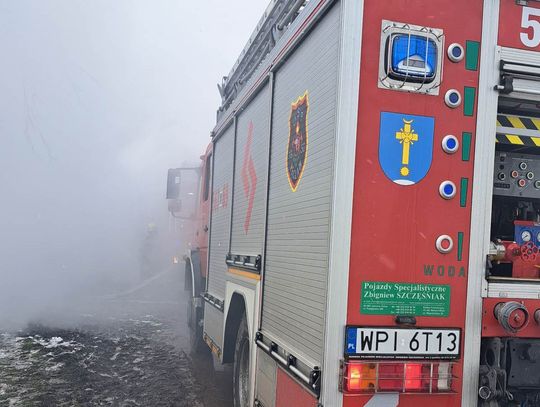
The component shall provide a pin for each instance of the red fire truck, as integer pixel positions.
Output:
(369, 218)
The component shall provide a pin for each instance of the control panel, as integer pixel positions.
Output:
(516, 175)
(526, 232)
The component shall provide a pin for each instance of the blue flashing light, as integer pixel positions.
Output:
(447, 189)
(451, 143)
(454, 98)
(413, 56)
(456, 52)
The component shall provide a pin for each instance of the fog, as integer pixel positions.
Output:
(97, 100)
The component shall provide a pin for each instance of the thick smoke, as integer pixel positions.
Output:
(97, 100)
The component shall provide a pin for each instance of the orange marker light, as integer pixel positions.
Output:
(361, 377)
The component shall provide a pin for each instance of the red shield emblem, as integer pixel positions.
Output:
(298, 141)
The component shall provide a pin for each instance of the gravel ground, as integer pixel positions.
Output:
(131, 350)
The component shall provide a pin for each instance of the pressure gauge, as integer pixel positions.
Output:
(526, 236)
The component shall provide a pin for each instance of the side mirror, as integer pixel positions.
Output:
(182, 191)
(173, 183)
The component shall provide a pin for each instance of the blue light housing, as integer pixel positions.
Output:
(413, 58)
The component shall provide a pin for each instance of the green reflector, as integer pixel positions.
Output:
(460, 246)
(466, 146)
(471, 55)
(463, 192)
(468, 105)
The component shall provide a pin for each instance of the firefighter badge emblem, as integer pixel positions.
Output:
(298, 141)
(405, 146)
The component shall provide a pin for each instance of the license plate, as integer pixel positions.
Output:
(402, 343)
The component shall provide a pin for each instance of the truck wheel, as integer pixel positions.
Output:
(196, 340)
(241, 366)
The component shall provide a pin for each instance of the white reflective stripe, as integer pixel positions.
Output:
(344, 164)
(444, 373)
(384, 400)
(482, 199)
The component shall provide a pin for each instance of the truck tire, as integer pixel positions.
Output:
(241, 366)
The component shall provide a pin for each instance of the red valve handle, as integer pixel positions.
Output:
(529, 252)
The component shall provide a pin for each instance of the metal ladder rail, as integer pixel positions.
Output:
(275, 21)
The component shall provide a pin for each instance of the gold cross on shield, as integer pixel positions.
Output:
(406, 136)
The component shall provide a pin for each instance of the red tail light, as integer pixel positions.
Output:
(403, 377)
(415, 375)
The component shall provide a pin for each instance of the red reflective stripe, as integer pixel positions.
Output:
(413, 376)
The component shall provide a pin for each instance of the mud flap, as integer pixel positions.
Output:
(196, 273)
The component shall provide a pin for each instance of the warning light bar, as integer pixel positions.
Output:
(412, 56)
(402, 377)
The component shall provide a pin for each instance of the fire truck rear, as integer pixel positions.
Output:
(369, 207)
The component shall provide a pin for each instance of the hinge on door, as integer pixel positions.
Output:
(249, 263)
(524, 2)
(216, 302)
(310, 378)
(506, 84)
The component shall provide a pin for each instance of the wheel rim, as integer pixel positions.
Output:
(243, 375)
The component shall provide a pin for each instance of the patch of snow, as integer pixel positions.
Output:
(14, 401)
(54, 368)
(54, 342)
(152, 323)
(105, 375)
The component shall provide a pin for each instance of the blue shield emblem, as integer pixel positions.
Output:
(405, 146)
